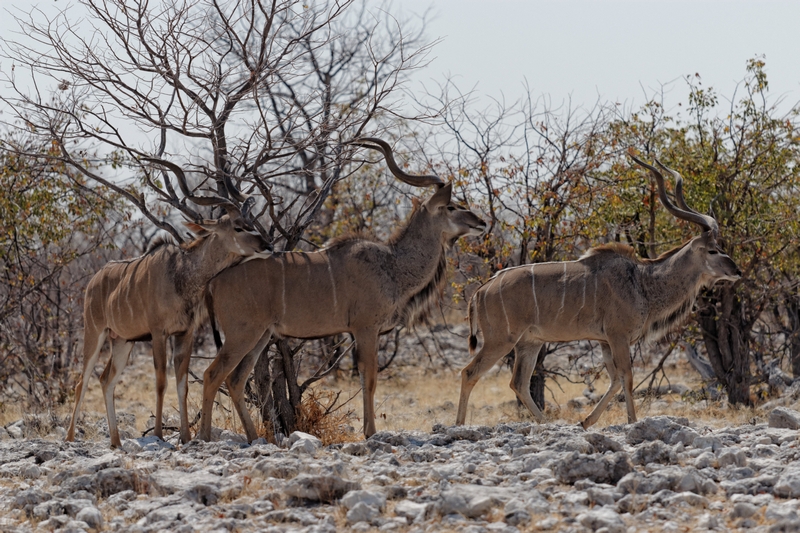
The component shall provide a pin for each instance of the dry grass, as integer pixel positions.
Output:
(323, 415)
(418, 400)
(406, 398)
(10, 413)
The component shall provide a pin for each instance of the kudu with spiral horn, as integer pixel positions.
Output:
(608, 295)
(159, 295)
(352, 285)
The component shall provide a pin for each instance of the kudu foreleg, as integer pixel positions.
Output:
(624, 361)
(182, 358)
(484, 359)
(527, 355)
(367, 351)
(120, 351)
(92, 344)
(616, 374)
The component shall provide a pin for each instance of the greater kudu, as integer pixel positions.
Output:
(608, 295)
(160, 294)
(352, 285)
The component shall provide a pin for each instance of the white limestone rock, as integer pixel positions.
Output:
(92, 516)
(323, 488)
(600, 468)
(604, 518)
(362, 512)
(300, 442)
(783, 417)
(413, 511)
(374, 498)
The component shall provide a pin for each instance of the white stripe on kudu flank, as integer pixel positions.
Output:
(533, 288)
(583, 300)
(128, 300)
(283, 285)
(564, 292)
(91, 317)
(502, 303)
(485, 307)
(333, 282)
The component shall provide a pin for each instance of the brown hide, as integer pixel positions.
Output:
(608, 296)
(354, 285)
(153, 297)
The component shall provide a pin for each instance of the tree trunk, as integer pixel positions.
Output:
(793, 310)
(722, 323)
(277, 389)
(537, 379)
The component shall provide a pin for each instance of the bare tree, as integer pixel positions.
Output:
(258, 92)
(262, 95)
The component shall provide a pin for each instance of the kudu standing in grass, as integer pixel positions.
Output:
(158, 295)
(353, 285)
(608, 295)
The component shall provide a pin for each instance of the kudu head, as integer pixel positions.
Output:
(231, 233)
(452, 219)
(237, 231)
(705, 253)
(439, 212)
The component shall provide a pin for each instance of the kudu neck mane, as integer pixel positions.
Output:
(184, 263)
(161, 241)
(165, 239)
(624, 250)
(421, 267)
(671, 290)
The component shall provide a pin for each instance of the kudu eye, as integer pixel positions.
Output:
(238, 229)
(712, 252)
(451, 208)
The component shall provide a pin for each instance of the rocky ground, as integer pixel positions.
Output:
(659, 474)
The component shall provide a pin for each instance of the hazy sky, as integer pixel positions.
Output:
(585, 49)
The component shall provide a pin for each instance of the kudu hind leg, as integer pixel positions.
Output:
(613, 387)
(120, 350)
(367, 351)
(92, 345)
(484, 359)
(160, 365)
(527, 355)
(237, 380)
(234, 349)
(182, 358)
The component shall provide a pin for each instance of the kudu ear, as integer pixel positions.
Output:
(441, 198)
(200, 228)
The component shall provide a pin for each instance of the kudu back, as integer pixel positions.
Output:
(353, 285)
(608, 295)
(159, 295)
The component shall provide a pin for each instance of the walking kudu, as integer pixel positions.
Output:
(353, 285)
(608, 295)
(160, 294)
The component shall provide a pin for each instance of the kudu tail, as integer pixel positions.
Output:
(210, 309)
(473, 326)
